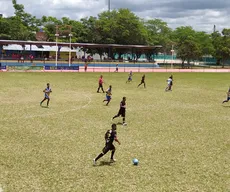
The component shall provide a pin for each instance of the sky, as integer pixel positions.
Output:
(202, 15)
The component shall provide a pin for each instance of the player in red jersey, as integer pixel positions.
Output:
(100, 82)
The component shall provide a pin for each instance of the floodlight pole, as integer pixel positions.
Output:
(56, 35)
(70, 55)
(109, 5)
(172, 57)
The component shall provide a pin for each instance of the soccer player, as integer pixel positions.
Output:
(170, 83)
(110, 136)
(116, 68)
(100, 82)
(47, 92)
(142, 81)
(228, 96)
(122, 110)
(130, 77)
(108, 95)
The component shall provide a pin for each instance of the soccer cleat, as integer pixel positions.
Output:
(40, 103)
(124, 124)
(94, 162)
(112, 160)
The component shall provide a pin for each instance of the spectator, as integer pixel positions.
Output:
(31, 58)
(22, 59)
(116, 68)
(86, 65)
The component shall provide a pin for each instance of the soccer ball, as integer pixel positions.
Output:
(135, 161)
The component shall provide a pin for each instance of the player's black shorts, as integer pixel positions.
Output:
(107, 148)
(100, 85)
(121, 112)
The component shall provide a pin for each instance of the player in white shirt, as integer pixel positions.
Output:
(47, 92)
(170, 83)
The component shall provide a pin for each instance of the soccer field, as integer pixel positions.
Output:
(181, 138)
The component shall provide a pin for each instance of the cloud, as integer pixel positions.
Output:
(200, 14)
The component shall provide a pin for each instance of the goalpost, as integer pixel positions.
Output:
(63, 31)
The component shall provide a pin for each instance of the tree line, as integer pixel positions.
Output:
(120, 27)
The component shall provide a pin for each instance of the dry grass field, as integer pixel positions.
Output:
(181, 138)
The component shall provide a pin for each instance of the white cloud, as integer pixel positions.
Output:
(201, 15)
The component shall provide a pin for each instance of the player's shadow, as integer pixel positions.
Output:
(119, 123)
(45, 107)
(105, 163)
(226, 106)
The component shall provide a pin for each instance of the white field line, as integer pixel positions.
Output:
(50, 114)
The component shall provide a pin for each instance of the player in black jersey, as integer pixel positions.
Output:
(110, 136)
(142, 81)
(122, 110)
(228, 96)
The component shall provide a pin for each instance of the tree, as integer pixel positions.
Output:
(159, 34)
(4, 28)
(17, 30)
(121, 27)
(205, 42)
(221, 43)
(188, 47)
(90, 33)
(31, 23)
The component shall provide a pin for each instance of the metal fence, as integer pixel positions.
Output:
(113, 66)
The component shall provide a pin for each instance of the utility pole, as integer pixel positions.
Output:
(109, 5)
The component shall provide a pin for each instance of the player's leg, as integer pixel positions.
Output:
(139, 84)
(117, 115)
(144, 85)
(105, 99)
(104, 151)
(99, 156)
(42, 101)
(108, 100)
(123, 115)
(98, 88)
(166, 89)
(226, 100)
(102, 88)
(113, 149)
(48, 100)
(170, 87)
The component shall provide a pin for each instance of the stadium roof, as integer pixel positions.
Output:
(16, 47)
(85, 45)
